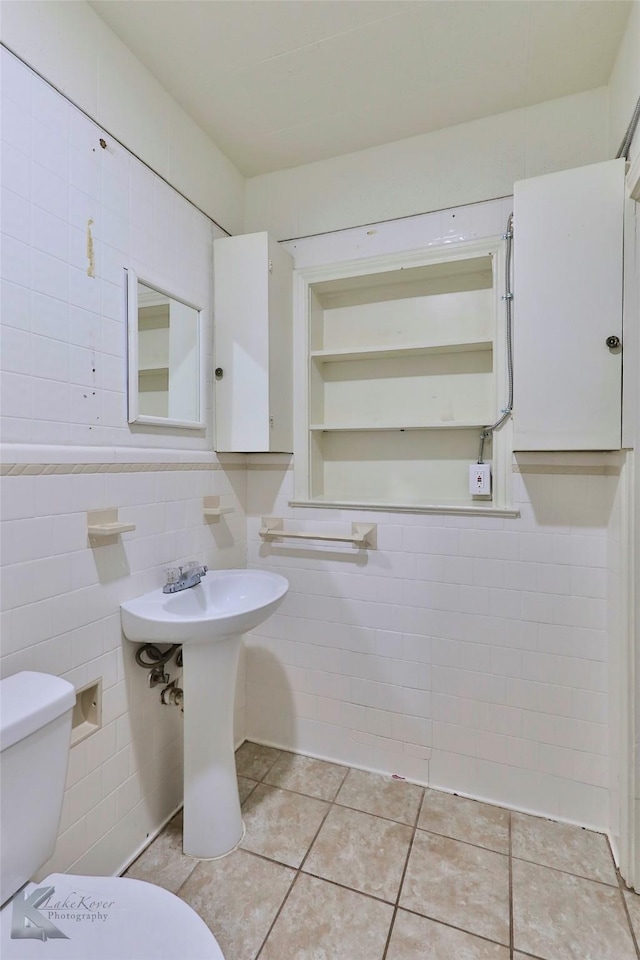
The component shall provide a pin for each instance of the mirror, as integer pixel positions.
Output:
(165, 357)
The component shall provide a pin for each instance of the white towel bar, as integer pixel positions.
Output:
(362, 534)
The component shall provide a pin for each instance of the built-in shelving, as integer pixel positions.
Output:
(367, 427)
(404, 367)
(410, 350)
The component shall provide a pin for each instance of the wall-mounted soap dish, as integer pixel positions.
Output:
(105, 523)
(212, 509)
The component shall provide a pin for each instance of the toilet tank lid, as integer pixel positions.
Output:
(30, 700)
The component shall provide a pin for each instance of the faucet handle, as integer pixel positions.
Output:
(193, 565)
(172, 574)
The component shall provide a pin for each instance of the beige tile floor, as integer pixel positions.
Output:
(338, 864)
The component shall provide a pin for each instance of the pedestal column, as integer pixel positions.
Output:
(212, 817)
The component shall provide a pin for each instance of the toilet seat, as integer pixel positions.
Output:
(111, 918)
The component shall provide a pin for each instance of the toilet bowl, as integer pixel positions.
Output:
(80, 918)
(108, 918)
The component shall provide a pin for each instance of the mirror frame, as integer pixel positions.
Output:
(133, 404)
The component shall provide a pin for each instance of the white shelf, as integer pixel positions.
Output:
(410, 350)
(369, 427)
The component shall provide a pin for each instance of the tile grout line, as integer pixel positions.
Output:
(452, 926)
(511, 932)
(567, 873)
(278, 912)
(625, 906)
(297, 873)
(396, 906)
(330, 805)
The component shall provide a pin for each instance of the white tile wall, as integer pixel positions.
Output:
(103, 77)
(63, 383)
(64, 345)
(462, 653)
(60, 607)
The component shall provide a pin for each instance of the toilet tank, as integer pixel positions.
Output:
(35, 733)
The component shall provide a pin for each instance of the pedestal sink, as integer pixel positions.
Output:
(208, 620)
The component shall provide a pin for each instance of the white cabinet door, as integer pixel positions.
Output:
(568, 230)
(252, 344)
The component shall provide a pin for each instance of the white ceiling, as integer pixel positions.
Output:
(280, 83)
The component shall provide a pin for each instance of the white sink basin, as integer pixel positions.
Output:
(225, 602)
(209, 620)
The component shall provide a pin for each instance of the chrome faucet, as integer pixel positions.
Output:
(181, 578)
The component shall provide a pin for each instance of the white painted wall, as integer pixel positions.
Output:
(70, 46)
(458, 165)
(68, 449)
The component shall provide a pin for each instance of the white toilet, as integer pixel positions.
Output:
(102, 918)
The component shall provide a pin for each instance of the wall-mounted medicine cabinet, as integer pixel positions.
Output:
(404, 363)
(252, 345)
(568, 309)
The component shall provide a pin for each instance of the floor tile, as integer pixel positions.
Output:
(562, 846)
(315, 778)
(238, 897)
(468, 820)
(254, 761)
(360, 851)
(381, 796)
(458, 884)
(245, 787)
(561, 917)
(633, 905)
(281, 825)
(163, 862)
(321, 921)
(417, 938)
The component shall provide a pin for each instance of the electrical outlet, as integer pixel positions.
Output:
(480, 479)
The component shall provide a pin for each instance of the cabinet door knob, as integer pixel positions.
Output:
(612, 342)
(218, 373)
